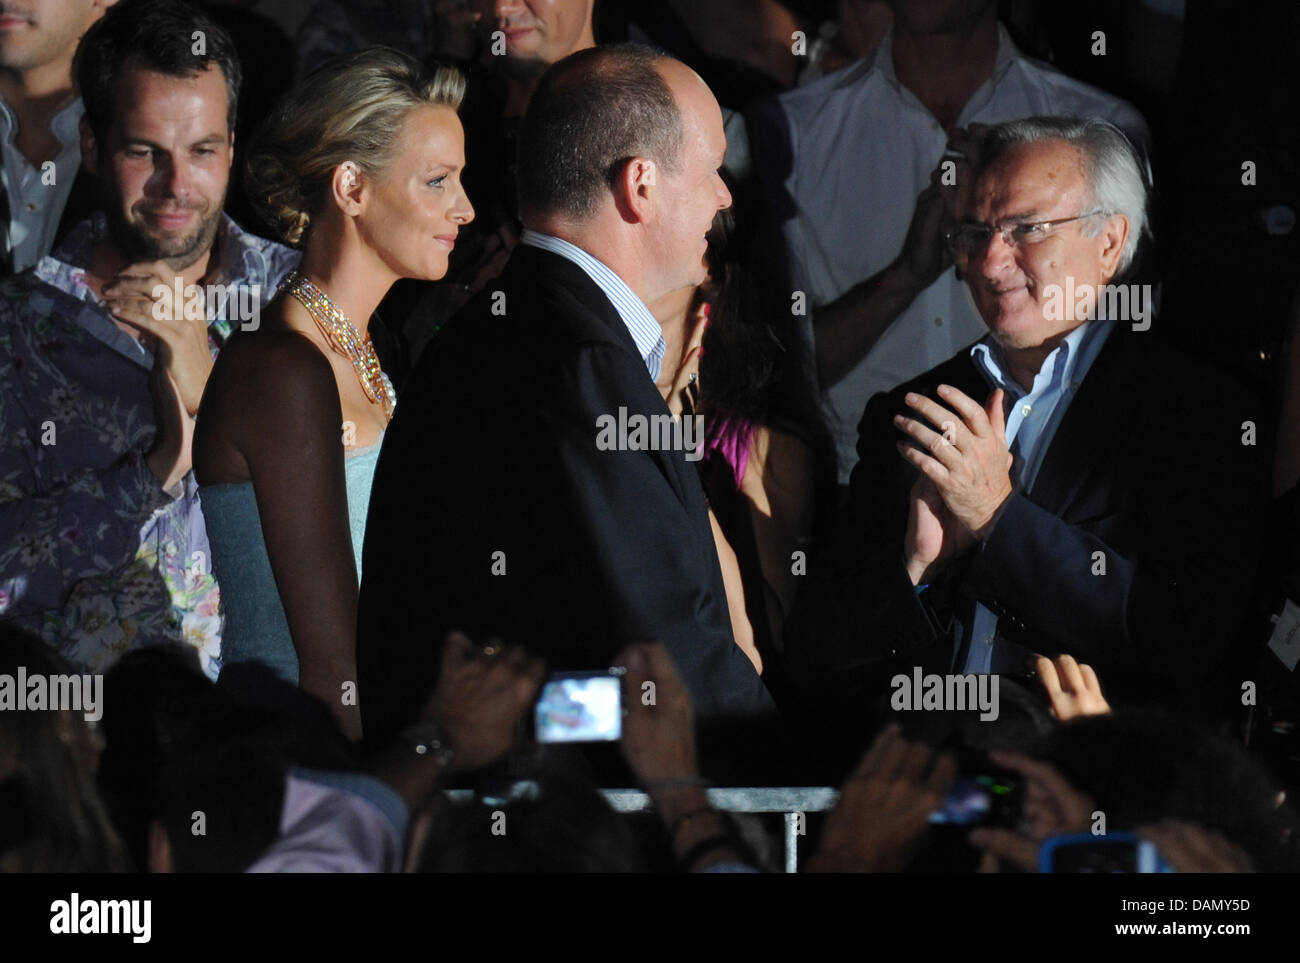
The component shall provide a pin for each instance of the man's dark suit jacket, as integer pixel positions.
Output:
(493, 450)
(1147, 467)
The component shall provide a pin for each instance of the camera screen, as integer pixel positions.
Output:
(580, 708)
(967, 803)
(988, 799)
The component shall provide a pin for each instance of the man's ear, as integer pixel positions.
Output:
(1113, 237)
(232, 151)
(635, 187)
(89, 147)
(348, 188)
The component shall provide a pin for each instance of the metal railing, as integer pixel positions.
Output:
(791, 802)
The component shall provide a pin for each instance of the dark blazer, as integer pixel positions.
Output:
(493, 450)
(1147, 467)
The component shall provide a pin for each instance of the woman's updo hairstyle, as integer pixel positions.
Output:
(349, 109)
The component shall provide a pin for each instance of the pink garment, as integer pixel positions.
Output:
(727, 439)
(331, 829)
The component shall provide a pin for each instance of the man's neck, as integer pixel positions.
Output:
(1024, 364)
(49, 80)
(943, 70)
(671, 312)
(352, 280)
(607, 244)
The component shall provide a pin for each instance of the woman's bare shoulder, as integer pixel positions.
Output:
(259, 367)
(773, 449)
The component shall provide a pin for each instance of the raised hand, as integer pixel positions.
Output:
(144, 296)
(683, 394)
(933, 534)
(964, 149)
(659, 727)
(482, 691)
(925, 255)
(885, 806)
(1072, 687)
(962, 451)
(1053, 807)
(1190, 848)
(659, 745)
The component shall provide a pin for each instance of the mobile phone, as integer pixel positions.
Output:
(1112, 853)
(581, 707)
(990, 797)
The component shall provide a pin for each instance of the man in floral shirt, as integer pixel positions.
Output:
(106, 345)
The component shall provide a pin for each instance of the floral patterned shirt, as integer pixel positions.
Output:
(94, 556)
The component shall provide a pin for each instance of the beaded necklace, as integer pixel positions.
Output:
(343, 337)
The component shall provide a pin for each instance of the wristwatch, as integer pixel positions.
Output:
(429, 739)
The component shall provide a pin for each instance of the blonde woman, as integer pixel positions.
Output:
(359, 166)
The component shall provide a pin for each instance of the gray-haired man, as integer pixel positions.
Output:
(1067, 483)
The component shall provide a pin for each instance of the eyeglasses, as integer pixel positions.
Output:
(970, 239)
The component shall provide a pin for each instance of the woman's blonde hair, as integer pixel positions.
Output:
(350, 109)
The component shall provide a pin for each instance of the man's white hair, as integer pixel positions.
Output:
(1115, 174)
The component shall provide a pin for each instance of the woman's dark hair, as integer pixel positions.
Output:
(158, 35)
(756, 366)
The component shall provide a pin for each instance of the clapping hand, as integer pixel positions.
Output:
(962, 450)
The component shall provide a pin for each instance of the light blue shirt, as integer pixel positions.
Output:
(641, 324)
(1032, 419)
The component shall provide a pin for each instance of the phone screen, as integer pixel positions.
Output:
(986, 799)
(581, 707)
(1113, 853)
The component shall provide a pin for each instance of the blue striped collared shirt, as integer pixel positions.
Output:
(641, 324)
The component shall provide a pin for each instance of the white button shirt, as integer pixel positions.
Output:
(37, 199)
(863, 148)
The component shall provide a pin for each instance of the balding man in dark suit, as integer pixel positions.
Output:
(504, 505)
